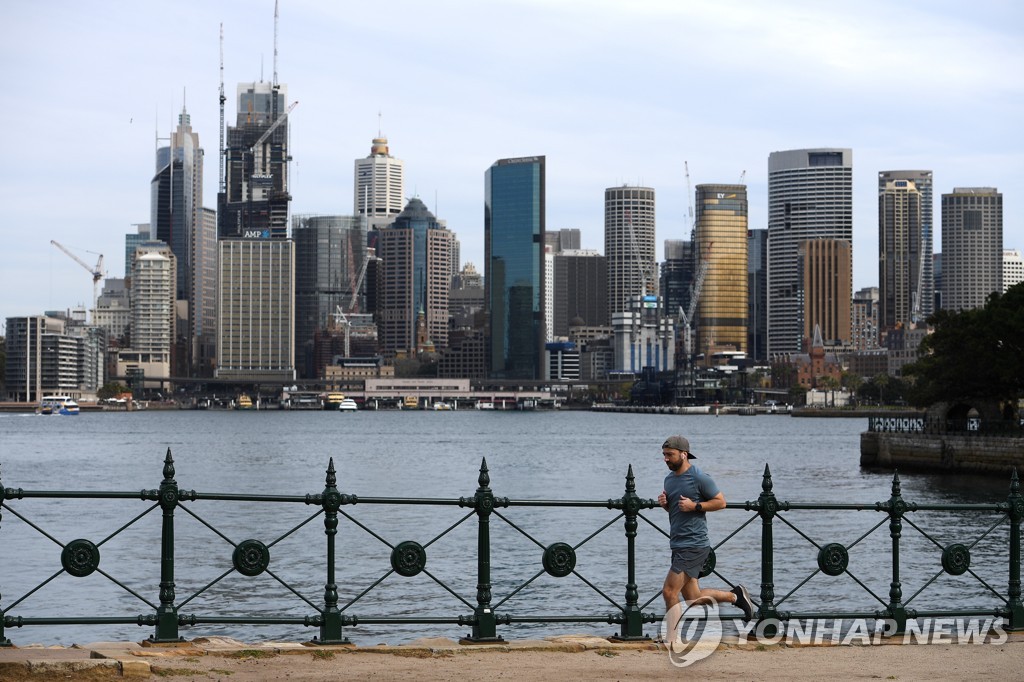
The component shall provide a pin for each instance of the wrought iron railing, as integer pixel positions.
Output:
(332, 615)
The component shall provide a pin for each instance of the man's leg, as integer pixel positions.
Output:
(673, 611)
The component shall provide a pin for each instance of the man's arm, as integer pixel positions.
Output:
(714, 504)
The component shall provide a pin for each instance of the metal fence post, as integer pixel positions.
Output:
(896, 507)
(632, 627)
(767, 507)
(1015, 505)
(3, 639)
(331, 631)
(484, 622)
(167, 612)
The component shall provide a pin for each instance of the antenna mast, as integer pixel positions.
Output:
(221, 179)
(275, 43)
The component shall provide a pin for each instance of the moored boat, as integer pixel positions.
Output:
(347, 405)
(244, 402)
(333, 401)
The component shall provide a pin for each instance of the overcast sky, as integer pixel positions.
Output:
(610, 92)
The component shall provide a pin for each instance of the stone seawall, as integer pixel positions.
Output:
(942, 452)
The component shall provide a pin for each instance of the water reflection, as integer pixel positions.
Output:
(421, 454)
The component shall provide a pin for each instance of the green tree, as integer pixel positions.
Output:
(973, 354)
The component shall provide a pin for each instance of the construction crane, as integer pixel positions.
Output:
(273, 127)
(686, 317)
(341, 319)
(221, 178)
(96, 272)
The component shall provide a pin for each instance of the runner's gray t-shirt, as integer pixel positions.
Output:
(688, 529)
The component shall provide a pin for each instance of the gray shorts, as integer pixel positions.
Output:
(689, 560)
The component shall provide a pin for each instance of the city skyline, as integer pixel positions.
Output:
(460, 85)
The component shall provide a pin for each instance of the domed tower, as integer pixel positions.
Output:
(379, 185)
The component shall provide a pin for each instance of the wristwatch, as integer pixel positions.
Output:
(697, 507)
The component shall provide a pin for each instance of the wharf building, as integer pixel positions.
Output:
(972, 246)
(629, 245)
(416, 253)
(330, 266)
(895, 226)
(720, 238)
(810, 196)
(379, 185)
(514, 237)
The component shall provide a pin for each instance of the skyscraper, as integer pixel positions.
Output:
(1013, 268)
(255, 310)
(757, 295)
(379, 185)
(901, 256)
(330, 256)
(580, 289)
(924, 183)
(720, 237)
(176, 200)
(514, 209)
(255, 201)
(972, 246)
(256, 274)
(810, 196)
(825, 271)
(629, 245)
(153, 314)
(415, 252)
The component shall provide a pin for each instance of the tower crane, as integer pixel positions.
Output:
(272, 128)
(96, 272)
(340, 318)
(686, 317)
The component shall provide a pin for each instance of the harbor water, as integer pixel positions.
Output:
(541, 455)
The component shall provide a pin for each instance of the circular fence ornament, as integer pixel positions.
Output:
(251, 557)
(833, 559)
(80, 558)
(956, 559)
(709, 565)
(559, 559)
(408, 558)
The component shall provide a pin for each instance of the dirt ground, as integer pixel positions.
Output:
(461, 664)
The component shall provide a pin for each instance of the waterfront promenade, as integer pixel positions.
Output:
(556, 658)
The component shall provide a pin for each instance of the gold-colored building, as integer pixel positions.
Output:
(720, 239)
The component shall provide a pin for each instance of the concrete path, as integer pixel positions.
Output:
(559, 658)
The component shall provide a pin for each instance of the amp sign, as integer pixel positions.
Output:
(256, 234)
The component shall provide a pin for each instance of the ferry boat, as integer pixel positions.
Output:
(244, 402)
(347, 405)
(57, 404)
(441, 405)
(333, 401)
(411, 402)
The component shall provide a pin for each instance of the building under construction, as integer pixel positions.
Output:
(253, 202)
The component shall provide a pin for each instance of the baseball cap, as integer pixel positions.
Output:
(679, 443)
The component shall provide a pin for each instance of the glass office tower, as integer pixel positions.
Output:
(514, 278)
